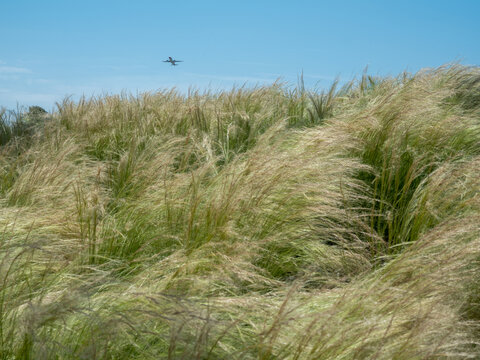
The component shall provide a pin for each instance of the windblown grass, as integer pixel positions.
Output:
(263, 223)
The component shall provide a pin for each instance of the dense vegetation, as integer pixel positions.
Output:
(265, 223)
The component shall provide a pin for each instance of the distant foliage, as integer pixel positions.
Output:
(20, 124)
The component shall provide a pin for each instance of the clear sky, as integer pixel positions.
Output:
(53, 48)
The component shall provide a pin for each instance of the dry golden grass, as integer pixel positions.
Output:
(263, 223)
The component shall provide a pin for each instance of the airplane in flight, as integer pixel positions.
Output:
(172, 61)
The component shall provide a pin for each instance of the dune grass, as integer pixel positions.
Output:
(264, 223)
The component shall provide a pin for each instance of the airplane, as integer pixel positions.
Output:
(171, 61)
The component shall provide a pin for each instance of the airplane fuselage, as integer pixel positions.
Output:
(172, 61)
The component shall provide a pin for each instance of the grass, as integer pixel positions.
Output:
(263, 223)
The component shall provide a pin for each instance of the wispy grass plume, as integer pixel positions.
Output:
(256, 223)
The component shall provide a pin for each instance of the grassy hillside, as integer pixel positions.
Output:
(267, 223)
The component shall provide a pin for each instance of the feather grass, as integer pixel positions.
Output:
(264, 223)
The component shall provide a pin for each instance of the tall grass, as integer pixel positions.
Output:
(264, 223)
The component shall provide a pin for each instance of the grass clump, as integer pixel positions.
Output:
(263, 223)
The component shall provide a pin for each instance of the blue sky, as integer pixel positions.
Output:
(50, 49)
